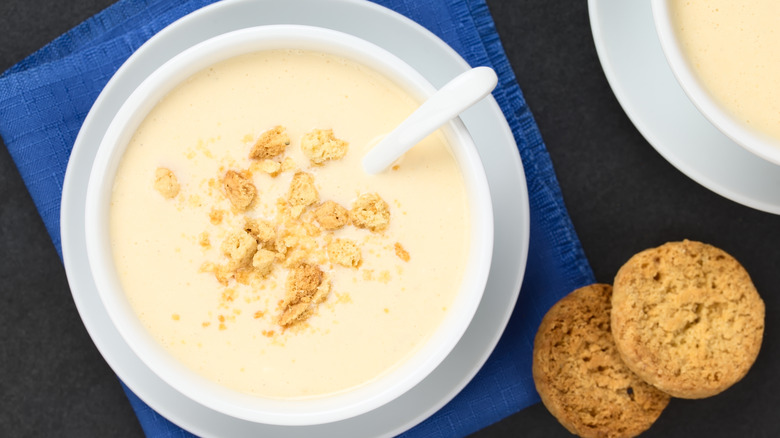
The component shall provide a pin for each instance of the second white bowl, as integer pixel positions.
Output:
(744, 135)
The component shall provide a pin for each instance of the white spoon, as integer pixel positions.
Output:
(452, 99)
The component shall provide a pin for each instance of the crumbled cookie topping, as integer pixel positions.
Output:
(239, 247)
(166, 183)
(305, 288)
(270, 143)
(239, 189)
(203, 240)
(263, 261)
(401, 252)
(263, 231)
(297, 240)
(370, 211)
(321, 145)
(271, 167)
(215, 216)
(302, 193)
(288, 164)
(331, 216)
(344, 252)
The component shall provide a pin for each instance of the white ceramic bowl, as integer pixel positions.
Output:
(754, 141)
(240, 405)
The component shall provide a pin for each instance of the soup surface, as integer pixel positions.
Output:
(734, 48)
(237, 310)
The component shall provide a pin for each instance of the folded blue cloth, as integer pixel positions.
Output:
(44, 99)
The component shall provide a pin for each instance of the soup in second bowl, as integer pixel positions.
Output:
(734, 49)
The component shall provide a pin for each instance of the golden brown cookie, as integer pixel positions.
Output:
(687, 318)
(579, 374)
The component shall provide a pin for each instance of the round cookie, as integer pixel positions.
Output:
(579, 374)
(686, 318)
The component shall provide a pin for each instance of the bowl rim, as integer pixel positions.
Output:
(753, 140)
(325, 409)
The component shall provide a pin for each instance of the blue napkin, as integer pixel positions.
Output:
(45, 98)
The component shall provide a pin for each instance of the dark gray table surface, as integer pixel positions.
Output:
(621, 194)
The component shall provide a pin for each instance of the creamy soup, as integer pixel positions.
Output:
(734, 48)
(177, 227)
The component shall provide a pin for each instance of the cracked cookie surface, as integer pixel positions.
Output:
(687, 318)
(580, 376)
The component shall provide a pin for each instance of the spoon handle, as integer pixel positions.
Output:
(448, 102)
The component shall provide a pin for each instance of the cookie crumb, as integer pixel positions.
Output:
(321, 145)
(203, 240)
(239, 189)
(239, 247)
(344, 252)
(288, 164)
(223, 274)
(215, 216)
(322, 291)
(228, 295)
(304, 288)
(270, 167)
(166, 183)
(263, 261)
(370, 211)
(331, 216)
(263, 232)
(302, 282)
(243, 275)
(270, 143)
(384, 277)
(302, 193)
(401, 252)
(294, 313)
